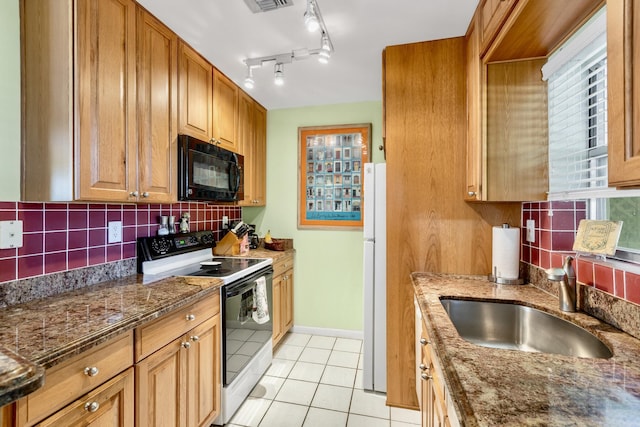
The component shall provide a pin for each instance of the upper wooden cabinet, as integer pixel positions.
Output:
(80, 103)
(157, 109)
(208, 101)
(523, 29)
(252, 140)
(225, 111)
(506, 128)
(623, 52)
(507, 135)
(195, 92)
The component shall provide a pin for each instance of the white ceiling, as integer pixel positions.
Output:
(226, 32)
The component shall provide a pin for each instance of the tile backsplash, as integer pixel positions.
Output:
(65, 236)
(556, 224)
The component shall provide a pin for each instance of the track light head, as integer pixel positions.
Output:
(325, 50)
(249, 83)
(311, 20)
(279, 74)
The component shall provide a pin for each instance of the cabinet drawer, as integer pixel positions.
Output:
(155, 335)
(71, 379)
(282, 264)
(110, 404)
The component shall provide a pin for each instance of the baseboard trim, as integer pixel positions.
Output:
(327, 332)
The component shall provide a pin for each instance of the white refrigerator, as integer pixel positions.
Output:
(375, 278)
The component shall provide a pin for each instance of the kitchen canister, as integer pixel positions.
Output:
(505, 256)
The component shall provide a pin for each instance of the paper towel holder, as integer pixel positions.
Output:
(501, 280)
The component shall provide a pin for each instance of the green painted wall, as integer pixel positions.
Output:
(328, 272)
(10, 100)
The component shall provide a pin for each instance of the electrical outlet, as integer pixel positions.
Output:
(225, 222)
(115, 231)
(10, 234)
(531, 230)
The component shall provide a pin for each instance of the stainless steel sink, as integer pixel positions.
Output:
(517, 327)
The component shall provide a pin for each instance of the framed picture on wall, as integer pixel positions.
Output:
(330, 160)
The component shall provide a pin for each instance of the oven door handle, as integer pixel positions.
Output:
(238, 290)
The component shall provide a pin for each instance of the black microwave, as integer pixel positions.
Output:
(207, 172)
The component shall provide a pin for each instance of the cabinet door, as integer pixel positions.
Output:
(203, 396)
(474, 114)
(246, 144)
(277, 309)
(195, 91)
(111, 404)
(225, 105)
(287, 301)
(260, 156)
(623, 54)
(157, 110)
(517, 132)
(252, 141)
(106, 113)
(161, 387)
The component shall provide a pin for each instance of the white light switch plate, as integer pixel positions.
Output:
(10, 234)
(115, 231)
(531, 230)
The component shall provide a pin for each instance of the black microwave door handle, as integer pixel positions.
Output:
(236, 172)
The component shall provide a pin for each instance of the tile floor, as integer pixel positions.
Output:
(316, 381)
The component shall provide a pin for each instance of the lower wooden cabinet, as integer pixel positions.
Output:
(432, 392)
(282, 297)
(111, 404)
(165, 373)
(83, 375)
(179, 384)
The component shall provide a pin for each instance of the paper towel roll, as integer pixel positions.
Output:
(505, 259)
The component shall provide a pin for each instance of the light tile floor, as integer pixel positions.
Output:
(316, 381)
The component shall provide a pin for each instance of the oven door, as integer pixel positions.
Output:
(242, 336)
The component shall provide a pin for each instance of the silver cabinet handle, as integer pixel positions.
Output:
(134, 194)
(425, 377)
(91, 371)
(471, 193)
(423, 367)
(424, 341)
(195, 338)
(186, 345)
(145, 194)
(91, 406)
(191, 317)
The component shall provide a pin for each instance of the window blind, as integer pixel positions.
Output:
(577, 103)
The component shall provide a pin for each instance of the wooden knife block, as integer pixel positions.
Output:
(229, 245)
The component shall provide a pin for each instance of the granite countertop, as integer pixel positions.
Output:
(497, 387)
(42, 333)
(39, 334)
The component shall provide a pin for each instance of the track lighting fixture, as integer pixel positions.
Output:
(248, 81)
(279, 74)
(325, 50)
(313, 21)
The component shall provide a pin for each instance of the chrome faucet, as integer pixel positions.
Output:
(566, 278)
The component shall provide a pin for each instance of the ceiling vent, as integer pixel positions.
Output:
(267, 5)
